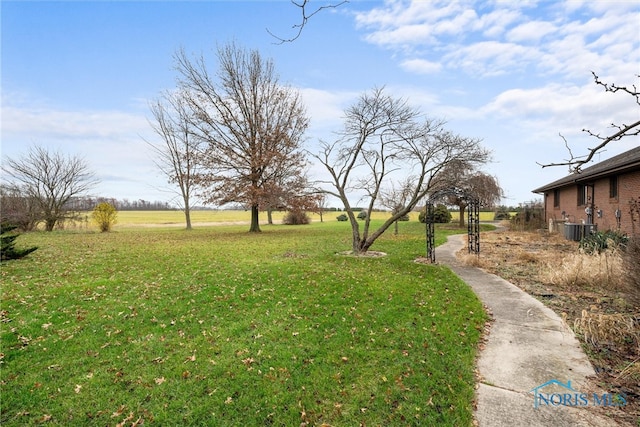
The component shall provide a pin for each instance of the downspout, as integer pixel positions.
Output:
(592, 205)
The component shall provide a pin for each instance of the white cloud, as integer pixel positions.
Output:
(421, 66)
(41, 122)
(491, 39)
(457, 24)
(566, 109)
(494, 24)
(110, 141)
(531, 31)
(407, 34)
(325, 108)
(491, 58)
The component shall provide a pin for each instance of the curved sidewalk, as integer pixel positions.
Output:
(528, 346)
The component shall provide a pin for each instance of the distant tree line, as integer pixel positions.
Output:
(88, 203)
(25, 211)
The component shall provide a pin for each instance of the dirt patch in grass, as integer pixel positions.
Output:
(599, 311)
(368, 254)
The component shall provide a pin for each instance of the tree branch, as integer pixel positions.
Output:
(575, 163)
(304, 18)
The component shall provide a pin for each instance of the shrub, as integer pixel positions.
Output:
(296, 217)
(601, 329)
(583, 270)
(404, 218)
(7, 245)
(600, 241)
(342, 217)
(631, 269)
(362, 215)
(529, 218)
(441, 215)
(104, 215)
(502, 213)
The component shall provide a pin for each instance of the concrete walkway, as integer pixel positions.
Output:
(527, 346)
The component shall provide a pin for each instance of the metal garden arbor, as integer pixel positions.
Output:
(473, 221)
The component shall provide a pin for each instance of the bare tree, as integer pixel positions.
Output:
(575, 163)
(321, 205)
(306, 14)
(460, 181)
(395, 198)
(252, 126)
(50, 179)
(178, 156)
(16, 208)
(385, 140)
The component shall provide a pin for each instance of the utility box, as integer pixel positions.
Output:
(577, 232)
(556, 225)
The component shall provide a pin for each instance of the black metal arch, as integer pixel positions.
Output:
(473, 221)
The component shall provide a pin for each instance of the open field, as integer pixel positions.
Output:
(221, 327)
(135, 219)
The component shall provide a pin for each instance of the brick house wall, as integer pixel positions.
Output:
(606, 196)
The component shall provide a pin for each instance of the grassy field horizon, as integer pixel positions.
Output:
(218, 326)
(199, 218)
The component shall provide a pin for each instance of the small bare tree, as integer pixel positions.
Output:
(395, 199)
(179, 155)
(50, 179)
(251, 125)
(385, 140)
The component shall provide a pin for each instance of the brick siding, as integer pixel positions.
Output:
(628, 188)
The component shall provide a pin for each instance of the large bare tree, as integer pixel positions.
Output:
(251, 124)
(50, 179)
(178, 156)
(385, 140)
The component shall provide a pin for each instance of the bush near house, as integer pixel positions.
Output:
(600, 241)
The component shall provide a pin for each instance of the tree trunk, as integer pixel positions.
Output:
(187, 217)
(462, 209)
(364, 246)
(49, 224)
(269, 216)
(255, 224)
(355, 236)
(395, 232)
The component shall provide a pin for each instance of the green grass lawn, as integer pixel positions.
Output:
(217, 326)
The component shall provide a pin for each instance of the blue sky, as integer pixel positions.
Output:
(77, 76)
